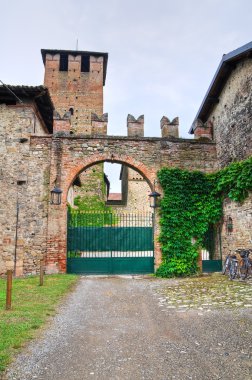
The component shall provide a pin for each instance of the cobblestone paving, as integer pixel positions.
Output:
(205, 294)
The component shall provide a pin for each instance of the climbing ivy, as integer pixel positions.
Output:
(234, 181)
(192, 202)
(187, 208)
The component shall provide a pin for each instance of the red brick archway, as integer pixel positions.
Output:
(57, 216)
(148, 173)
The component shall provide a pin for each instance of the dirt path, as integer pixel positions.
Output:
(117, 328)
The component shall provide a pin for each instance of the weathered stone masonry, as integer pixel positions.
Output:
(226, 116)
(29, 167)
(24, 180)
(142, 154)
(34, 154)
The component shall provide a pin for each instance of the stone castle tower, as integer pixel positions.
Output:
(75, 80)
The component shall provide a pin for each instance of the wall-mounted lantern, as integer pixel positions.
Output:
(56, 196)
(229, 224)
(154, 199)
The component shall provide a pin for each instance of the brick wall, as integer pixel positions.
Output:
(72, 89)
(147, 155)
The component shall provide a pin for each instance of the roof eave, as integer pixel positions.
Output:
(220, 77)
(40, 95)
(79, 52)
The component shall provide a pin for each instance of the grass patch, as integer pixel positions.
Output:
(31, 306)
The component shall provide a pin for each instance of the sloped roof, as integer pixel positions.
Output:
(79, 52)
(220, 78)
(39, 94)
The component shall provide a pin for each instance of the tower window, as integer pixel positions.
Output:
(63, 62)
(71, 110)
(85, 64)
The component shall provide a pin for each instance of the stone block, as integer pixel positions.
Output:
(169, 128)
(135, 127)
(99, 124)
(202, 130)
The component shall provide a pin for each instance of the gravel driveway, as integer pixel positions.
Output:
(127, 328)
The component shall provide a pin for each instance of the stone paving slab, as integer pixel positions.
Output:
(145, 328)
(205, 293)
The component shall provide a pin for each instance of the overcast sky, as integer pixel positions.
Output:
(162, 54)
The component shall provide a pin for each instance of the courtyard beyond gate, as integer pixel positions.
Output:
(110, 243)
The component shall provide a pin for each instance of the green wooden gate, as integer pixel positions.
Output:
(109, 243)
(212, 260)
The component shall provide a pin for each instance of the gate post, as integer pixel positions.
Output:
(56, 239)
(200, 260)
(157, 246)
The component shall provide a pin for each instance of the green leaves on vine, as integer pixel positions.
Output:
(234, 181)
(192, 202)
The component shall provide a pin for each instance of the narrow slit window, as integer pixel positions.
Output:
(63, 62)
(85, 64)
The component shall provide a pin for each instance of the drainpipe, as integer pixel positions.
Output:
(16, 236)
(220, 242)
(19, 183)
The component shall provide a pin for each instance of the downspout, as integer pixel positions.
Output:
(16, 236)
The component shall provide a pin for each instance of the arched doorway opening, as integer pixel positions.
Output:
(107, 236)
(109, 186)
(68, 170)
(148, 175)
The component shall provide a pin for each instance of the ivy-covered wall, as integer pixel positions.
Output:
(193, 202)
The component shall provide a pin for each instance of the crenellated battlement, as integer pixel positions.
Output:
(203, 130)
(169, 128)
(99, 124)
(135, 126)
